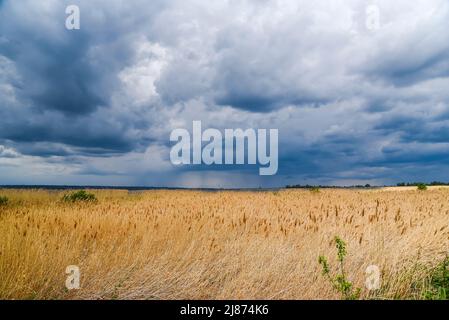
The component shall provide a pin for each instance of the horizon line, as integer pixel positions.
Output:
(123, 187)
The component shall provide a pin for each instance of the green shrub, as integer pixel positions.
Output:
(339, 281)
(79, 196)
(314, 190)
(422, 187)
(438, 288)
(3, 201)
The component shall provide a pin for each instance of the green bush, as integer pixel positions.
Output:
(438, 288)
(79, 196)
(339, 281)
(3, 201)
(314, 190)
(422, 187)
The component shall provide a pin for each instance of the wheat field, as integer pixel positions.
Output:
(219, 245)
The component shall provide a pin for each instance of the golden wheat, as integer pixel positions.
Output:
(217, 245)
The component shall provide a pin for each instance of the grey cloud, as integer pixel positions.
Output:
(7, 152)
(351, 104)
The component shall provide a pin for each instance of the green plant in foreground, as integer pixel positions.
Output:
(79, 196)
(439, 283)
(339, 281)
(422, 187)
(3, 201)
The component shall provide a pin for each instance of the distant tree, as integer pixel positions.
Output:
(314, 189)
(421, 186)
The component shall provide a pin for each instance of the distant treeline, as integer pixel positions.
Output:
(414, 184)
(401, 184)
(307, 186)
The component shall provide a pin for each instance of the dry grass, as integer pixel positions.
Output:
(217, 245)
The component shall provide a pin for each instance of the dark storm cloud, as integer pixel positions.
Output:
(416, 155)
(56, 76)
(351, 104)
(56, 73)
(63, 80)
(93, 135)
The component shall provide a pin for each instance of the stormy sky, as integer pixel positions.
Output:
(355, 100)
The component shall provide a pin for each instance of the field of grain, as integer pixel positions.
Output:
(219, 245)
